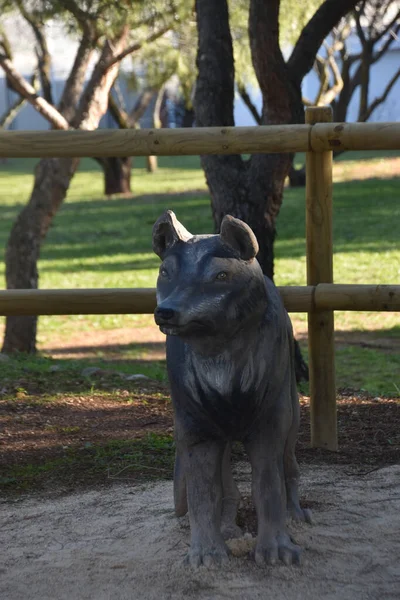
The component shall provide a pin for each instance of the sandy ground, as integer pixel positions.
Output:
(125, 543)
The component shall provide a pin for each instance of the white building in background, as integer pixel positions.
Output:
(63, 49)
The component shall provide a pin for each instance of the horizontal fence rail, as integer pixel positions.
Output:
(324, 296)
(200, 140)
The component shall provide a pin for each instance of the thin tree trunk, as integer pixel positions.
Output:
(117, 175)
(152, 161)
(117, 171)
(251, 190)
(52, 179)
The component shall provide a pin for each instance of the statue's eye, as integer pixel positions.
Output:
(163, 272)
(222, 276)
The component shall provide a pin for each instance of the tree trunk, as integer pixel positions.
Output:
(151, 164)
(250, 190)
(152, 161)
(117, 174)
(188, 117)
(52, 179)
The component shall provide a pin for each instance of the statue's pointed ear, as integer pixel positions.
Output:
(167, 231)
(238, 235)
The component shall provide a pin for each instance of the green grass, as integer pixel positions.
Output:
(106, 242)
(46, 377)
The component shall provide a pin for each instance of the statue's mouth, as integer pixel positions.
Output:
(170, 329)
(187, 329)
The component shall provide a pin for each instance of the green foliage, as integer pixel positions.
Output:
(174, 54)
(293, 16)
(239, 15)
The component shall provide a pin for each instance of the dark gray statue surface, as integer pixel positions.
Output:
(230, 360)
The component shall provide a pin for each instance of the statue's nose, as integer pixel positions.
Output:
(164, 314)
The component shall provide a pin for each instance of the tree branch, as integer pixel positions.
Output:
(25, 89)
(14, 109)
(387, 28)
(138, 45)
(385, 47)
(337, 86)
(130, 120)
(359, 12)
(243, 93)
(157, 107)
(10, 114)
(43, 54)
(321, 68)
(119, 115)
(268, 62)
(74, 85)
(380, 99)
(140, 106)
(314, 33)
(94, 101)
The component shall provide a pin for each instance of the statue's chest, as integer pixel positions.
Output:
(224, 387)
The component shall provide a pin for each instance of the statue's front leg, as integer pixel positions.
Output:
(203, 468)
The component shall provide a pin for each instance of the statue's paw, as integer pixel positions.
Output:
(231, 531)
(300, 514)
(209, 556)
(278, 548)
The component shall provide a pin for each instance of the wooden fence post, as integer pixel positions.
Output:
(320, 270)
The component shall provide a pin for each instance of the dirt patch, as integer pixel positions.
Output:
(34, 430)
(381, 169)
(125, 543)
(73, 428)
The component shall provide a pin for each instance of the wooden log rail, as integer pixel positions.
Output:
(122, 301)
(318, 137)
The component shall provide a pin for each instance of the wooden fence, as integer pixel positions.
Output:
(320, 298)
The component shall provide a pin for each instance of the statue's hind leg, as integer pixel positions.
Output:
(230, 498)
(180, 495)
(291, 467)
